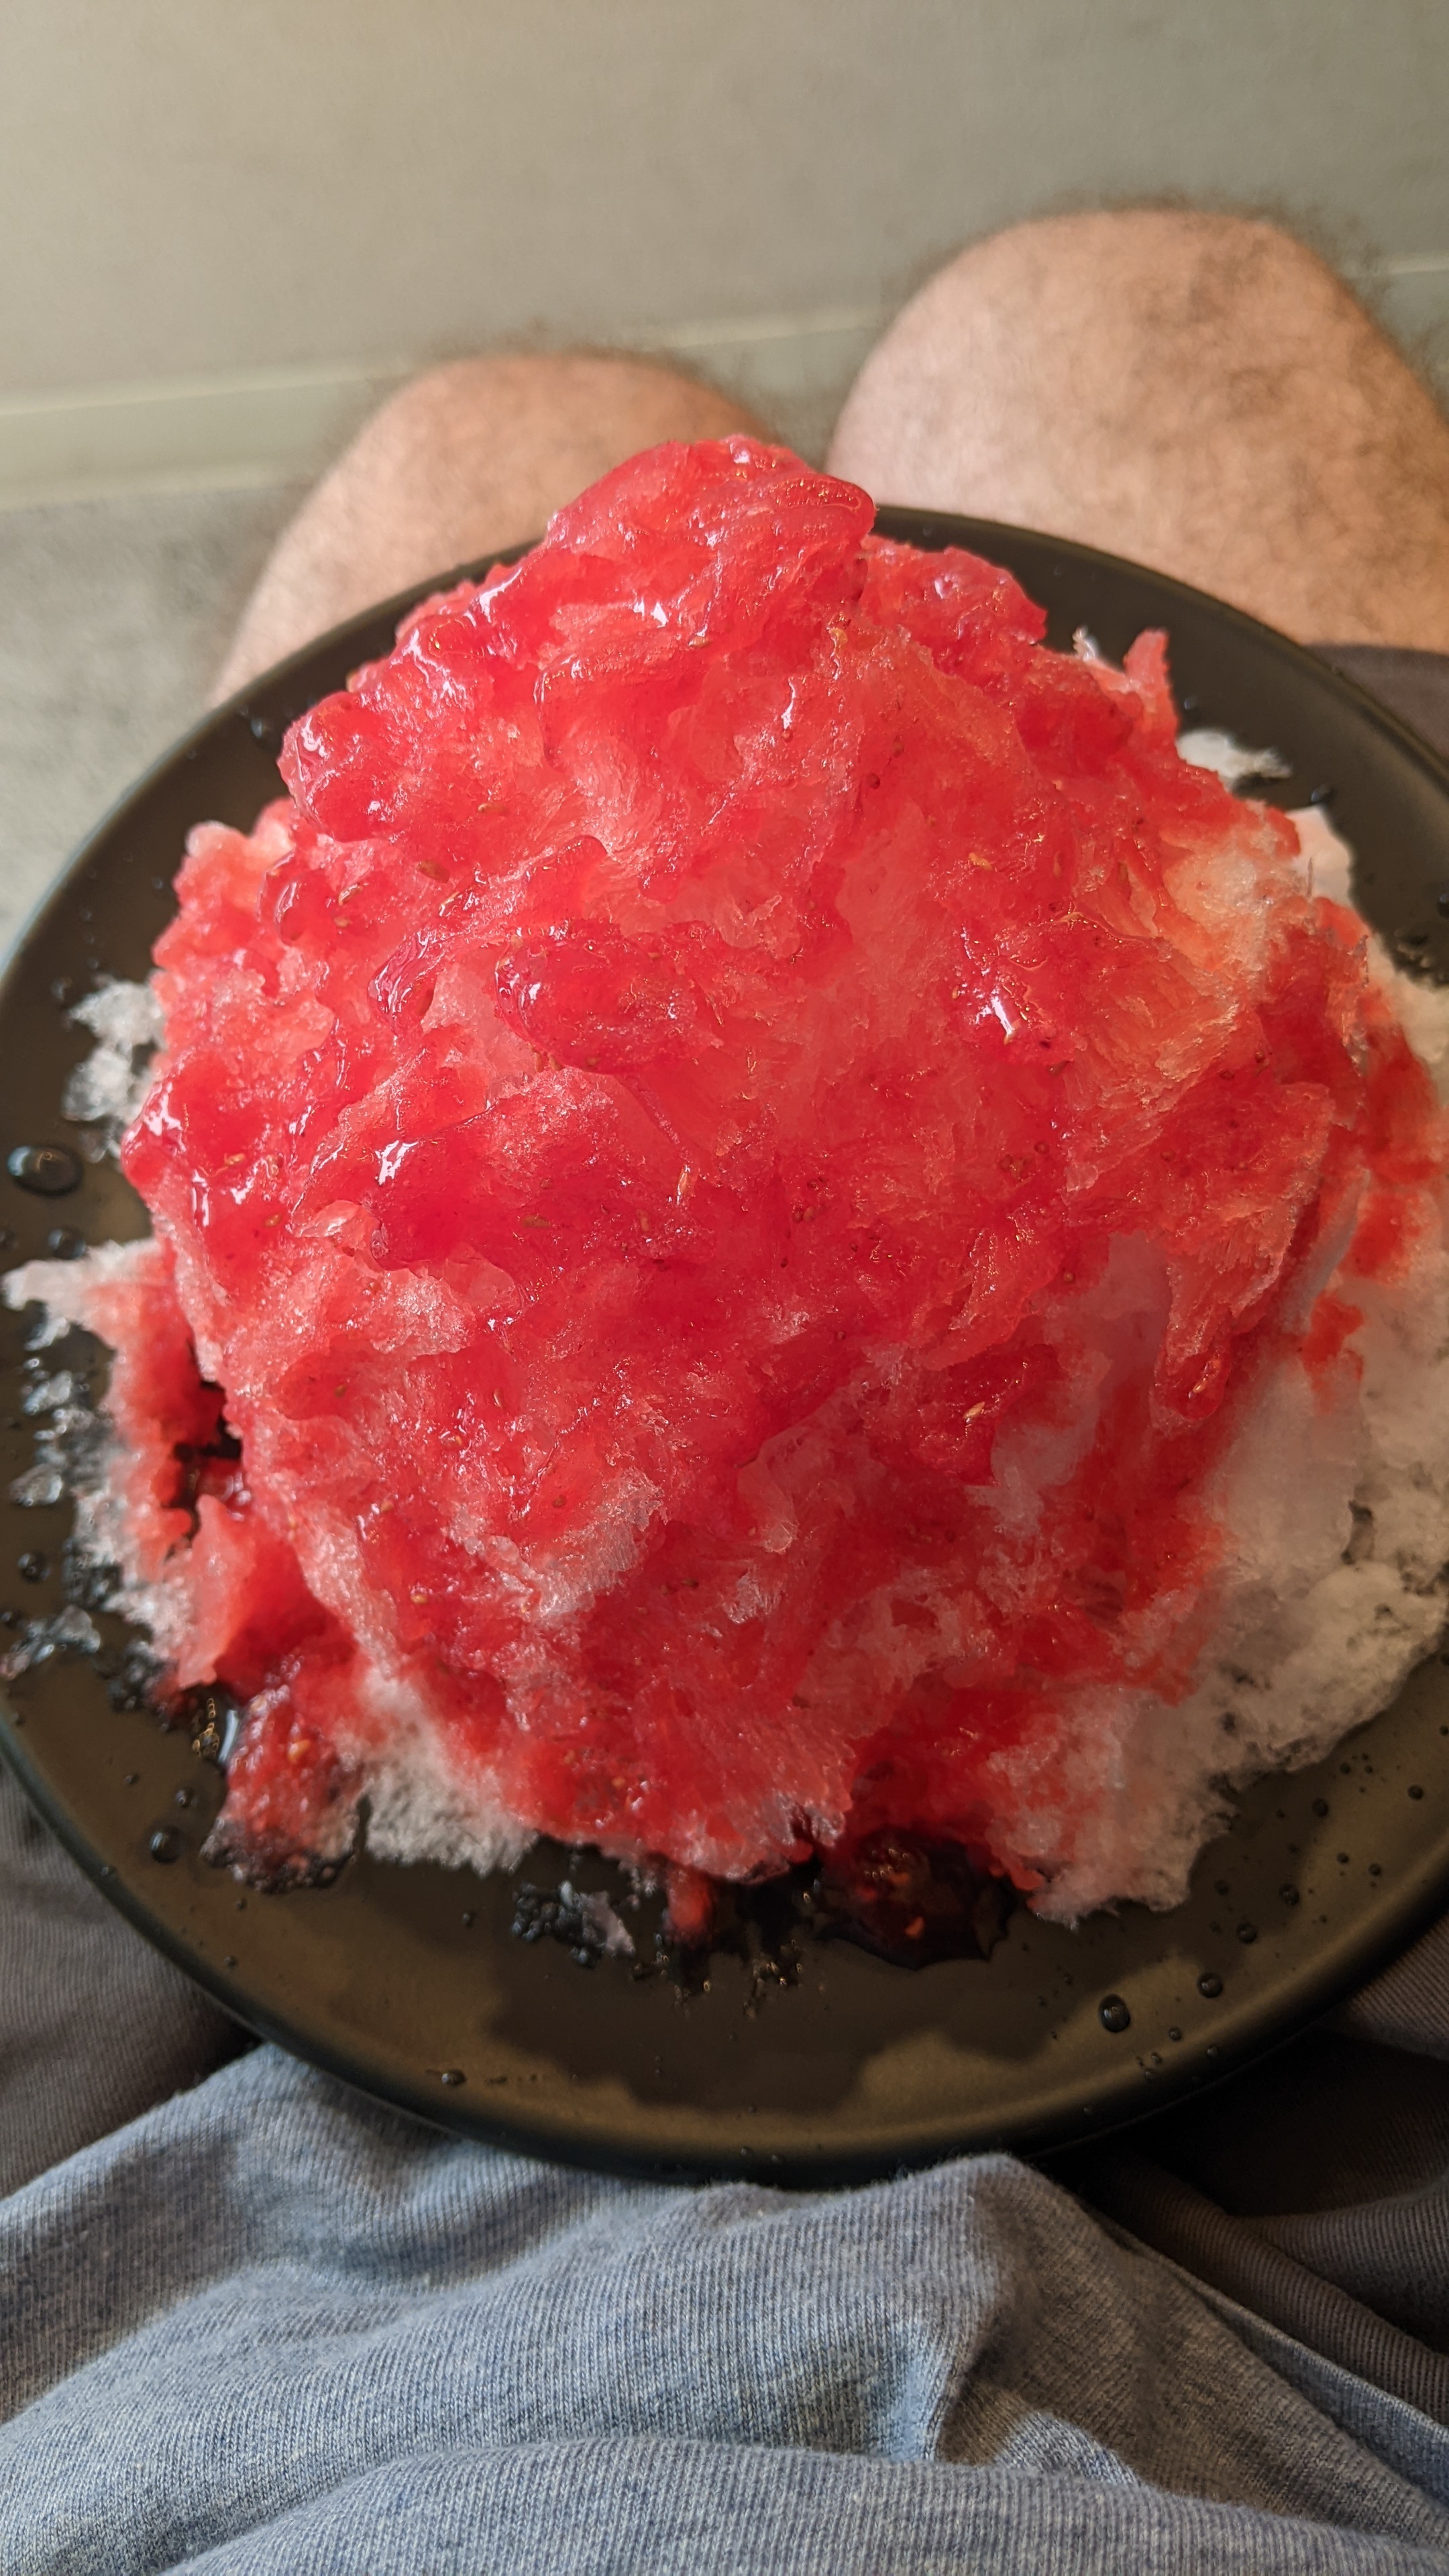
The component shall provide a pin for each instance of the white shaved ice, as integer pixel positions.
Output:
(1235, 763)
(108, 1087)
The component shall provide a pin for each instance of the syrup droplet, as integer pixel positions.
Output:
(1210, 1984)
(1113, 2014)
(49, 1170)
(164, 1844)
(64, 1244)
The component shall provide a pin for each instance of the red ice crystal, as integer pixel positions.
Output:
(649, 1140)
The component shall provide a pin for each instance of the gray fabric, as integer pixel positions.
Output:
(269, 2329)
(236, 2330)
(1270, 2267)
(1408, 2006)
(1315, 2189)
(95, 2025)
(272, 2326)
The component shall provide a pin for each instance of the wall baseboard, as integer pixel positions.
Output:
(282, 424)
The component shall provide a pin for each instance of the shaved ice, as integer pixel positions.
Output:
(773, 1225)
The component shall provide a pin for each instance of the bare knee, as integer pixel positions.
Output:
(463, 460)
(1197, 390)
(509, 437)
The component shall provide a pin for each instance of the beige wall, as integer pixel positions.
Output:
(200, 185)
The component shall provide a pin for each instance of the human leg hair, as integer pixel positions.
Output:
(1197, 391)
(464, 460)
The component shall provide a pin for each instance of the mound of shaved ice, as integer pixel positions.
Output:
(804, 1232)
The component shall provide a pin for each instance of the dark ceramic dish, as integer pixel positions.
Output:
(810, 2060)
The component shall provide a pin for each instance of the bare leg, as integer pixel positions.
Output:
(1196, 391)
(464, 460)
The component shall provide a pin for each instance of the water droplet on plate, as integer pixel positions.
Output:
(64, 1244)
(1210, 1984)
(164, 1844)
(50, 1170)
(33, 1566)
(450, 2075)
(1113, 2013)
(1247, 1932)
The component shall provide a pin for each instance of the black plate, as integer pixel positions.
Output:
(409, 1981)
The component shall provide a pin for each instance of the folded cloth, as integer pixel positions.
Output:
(265, 2328)
(273, 2327)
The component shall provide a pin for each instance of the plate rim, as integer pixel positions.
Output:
(1398, 1919)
